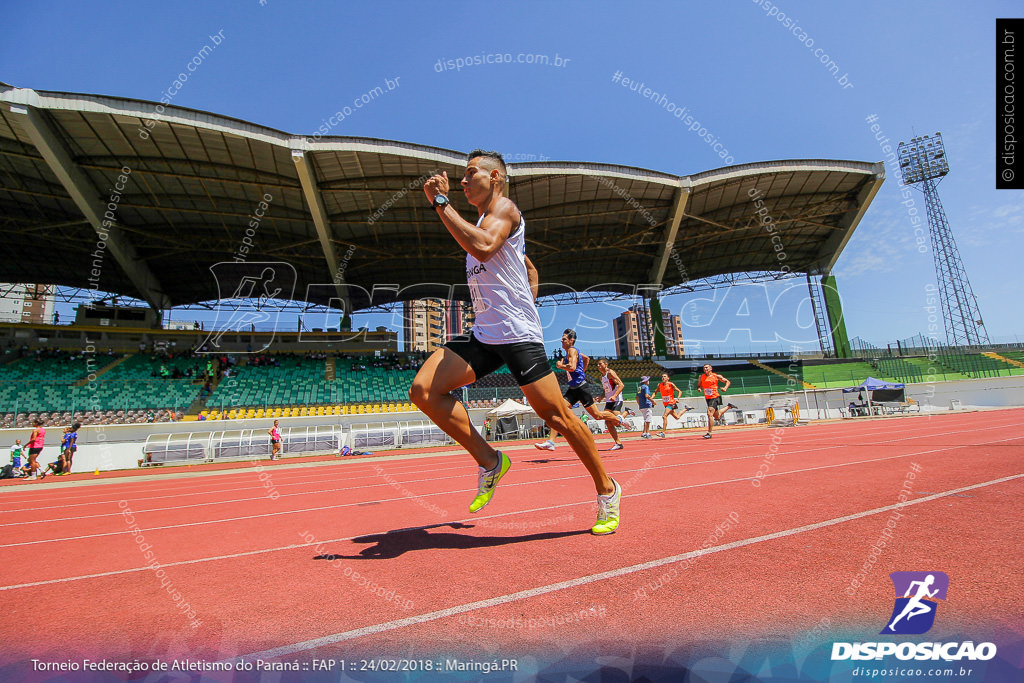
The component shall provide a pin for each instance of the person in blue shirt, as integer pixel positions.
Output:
(575, 365)
(72, 447)
(646, 405)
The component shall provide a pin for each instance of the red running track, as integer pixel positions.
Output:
(381, 556)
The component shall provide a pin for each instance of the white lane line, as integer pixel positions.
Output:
(445, 493)
(466, 520)
(395, 458)
(584, 580)
(292, 546)
(645, 457)
(403, 482)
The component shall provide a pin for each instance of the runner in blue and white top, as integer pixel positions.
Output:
(575, 365)
(503, 284)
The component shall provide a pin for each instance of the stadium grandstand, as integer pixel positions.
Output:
(338, 216)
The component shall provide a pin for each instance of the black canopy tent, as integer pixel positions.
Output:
(879, 391)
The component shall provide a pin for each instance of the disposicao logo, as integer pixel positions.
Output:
(917, 595)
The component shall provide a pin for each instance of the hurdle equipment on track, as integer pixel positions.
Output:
(782, 412)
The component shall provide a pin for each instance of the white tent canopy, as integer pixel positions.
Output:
(509, 408)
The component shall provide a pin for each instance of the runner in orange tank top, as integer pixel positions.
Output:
(668, 397)
(708, 383)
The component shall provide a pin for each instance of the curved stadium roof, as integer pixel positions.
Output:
(197, 178)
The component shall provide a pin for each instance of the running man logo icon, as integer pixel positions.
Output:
(249, 294)
(916, 601)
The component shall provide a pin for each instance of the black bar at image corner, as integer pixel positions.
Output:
(1009, 148)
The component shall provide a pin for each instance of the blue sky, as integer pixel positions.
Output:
(920, 67)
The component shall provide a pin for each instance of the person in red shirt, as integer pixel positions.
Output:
(668, 391)
(708, 383)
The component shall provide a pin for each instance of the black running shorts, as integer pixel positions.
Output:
(527, 361)
(615, 406)
(579, 395)
(715, 402)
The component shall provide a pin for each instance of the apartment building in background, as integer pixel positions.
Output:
(20, 303)
(429, 323)
(634, 333)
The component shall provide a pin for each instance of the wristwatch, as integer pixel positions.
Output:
(440, 200)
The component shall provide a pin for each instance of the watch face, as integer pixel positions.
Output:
(440, 200)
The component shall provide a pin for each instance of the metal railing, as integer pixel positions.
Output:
(236, 444)
(396, 434)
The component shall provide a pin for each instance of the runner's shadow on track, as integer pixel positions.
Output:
(400, 541)
(544, 461)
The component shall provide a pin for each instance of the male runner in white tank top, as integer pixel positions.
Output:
(507, 331)
(613, 386)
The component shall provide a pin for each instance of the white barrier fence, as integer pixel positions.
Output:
(239, 444)
(363, 435)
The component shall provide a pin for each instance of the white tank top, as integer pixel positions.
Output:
(502, 300)
(609, 389)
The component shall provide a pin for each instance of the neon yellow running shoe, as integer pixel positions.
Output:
(488, 481)
(608, 511)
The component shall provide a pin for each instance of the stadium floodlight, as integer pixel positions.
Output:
(923, 161)
(923, 158)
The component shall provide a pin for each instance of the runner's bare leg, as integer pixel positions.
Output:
(444, 371)
(547, 401)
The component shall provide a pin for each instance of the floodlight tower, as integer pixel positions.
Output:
(923, 163)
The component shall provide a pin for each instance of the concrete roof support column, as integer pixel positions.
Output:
(315, 202)
(90, 202)
(665, 250)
